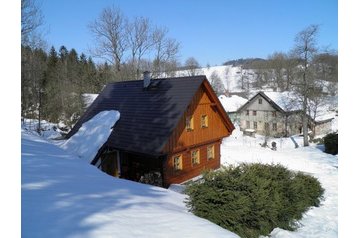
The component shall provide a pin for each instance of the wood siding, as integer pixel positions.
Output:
(201, 104)
(188, 170)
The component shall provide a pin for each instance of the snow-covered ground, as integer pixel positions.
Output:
(64, 196)
(318, 221)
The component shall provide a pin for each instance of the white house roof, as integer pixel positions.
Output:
(285, 100)
(233, 103)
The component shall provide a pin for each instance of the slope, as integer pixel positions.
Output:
(63, 196)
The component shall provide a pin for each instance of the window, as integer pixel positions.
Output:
(189, 123)
(204, 121)
(274, 126)
(177, 161)
(210, 152)
(195, 157)
(255, 125)
(254, 113)
(247, 124)
(247, 112)
(274, 113)
(260, 100)
(266, 126)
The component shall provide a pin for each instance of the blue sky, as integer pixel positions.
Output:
(212, 31)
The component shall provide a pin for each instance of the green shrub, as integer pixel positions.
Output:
(252, 199)
(331, 143)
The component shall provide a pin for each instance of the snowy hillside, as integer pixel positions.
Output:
(63, 196)
(234, 78)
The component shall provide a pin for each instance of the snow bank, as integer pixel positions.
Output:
(63, 197)
(92, 135)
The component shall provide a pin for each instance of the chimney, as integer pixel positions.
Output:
(146, 79)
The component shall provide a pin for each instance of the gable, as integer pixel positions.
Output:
(203, 104)
(264, 106)
(267, 104)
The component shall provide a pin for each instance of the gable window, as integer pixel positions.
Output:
(247, 124)
(247, 112)
(204, 121)
(255, 125)
(189, 123)
(254, 113)
(195, 157)
(177, 162)
(210, 152)
(274, 126)
(274, 114)
(260, 100)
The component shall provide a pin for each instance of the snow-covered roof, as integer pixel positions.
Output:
(92, 135)
(88, 98)
(285, 100)
(233, 103)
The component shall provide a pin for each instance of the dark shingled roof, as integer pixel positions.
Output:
(147, 116)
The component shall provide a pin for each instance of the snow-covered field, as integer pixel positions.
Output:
(63, 196)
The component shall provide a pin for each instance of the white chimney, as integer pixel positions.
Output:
(146, 79)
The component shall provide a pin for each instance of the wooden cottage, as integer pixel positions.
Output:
(170, 130)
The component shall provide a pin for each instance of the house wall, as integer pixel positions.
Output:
(183, 141)
(200, 105)
(323, 128)
(189, 170)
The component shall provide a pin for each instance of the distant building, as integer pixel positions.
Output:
(278, 114)
(231, 105)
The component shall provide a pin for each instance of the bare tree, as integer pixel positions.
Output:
(192, 66)
(31, 20)
(140, 40)
(165, 51)
(216, 83)
(277, 64)
(110, 36)
(305, 49)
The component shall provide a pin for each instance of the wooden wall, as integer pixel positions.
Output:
(200, 105)
(188, 170)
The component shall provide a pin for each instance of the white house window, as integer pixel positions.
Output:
(204, 121)
(177, 161)
(189, 123)
(210, 152)
(260, 100)
(274, 126)
(255, 125)
(274, 114)
(247, 124)
(195, 159)
(247, 112)
(254, 113)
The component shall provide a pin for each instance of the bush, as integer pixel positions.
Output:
(331, 143)
(252, 199)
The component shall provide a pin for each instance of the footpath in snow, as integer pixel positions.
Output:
(318, 222)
